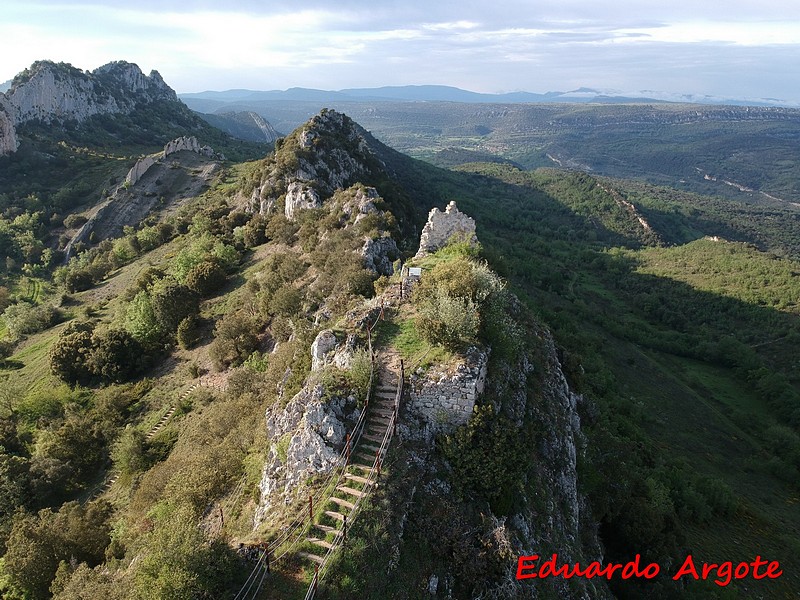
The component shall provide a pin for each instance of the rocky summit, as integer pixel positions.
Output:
(57, 92)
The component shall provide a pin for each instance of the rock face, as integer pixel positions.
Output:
(443, 398)
(57, 92)
(328, 154)
(441, 226)
(379, 254)
(185, 143)
(8, 136)
(323, 344)
(130, 202)
(300, 196)
(306, 438)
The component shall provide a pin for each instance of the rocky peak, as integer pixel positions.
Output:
(330, 152)
(52, 92)
(129, 77)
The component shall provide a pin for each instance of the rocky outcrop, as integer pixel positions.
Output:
(299, 196)
(379, 255)
(324, 343)
(328, 154)
(141, 167)
(8, 135)
(362, 203)
(57, 92)
(442, 226)
(181, 144)
(306, 438)
(442, 398)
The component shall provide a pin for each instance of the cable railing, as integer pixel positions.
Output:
(374, 473)
(294, 534)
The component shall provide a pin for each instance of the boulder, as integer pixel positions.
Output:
(323, 344)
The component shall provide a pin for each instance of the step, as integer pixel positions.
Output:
(362, 466)
(368, 449)
(357, 478)
(326, 528)
(368, 458)
(376, 429)
(383, 412)
(312, 557)
(334, 515)
(372, 437)
(340, 502)
(319, 542)
(351, 491)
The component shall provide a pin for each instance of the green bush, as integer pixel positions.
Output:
(23, 318)
(450, 322)
(187, 333)
(74, 221)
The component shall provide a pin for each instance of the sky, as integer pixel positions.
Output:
(729, 48)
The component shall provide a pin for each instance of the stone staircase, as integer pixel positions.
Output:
(333, 521)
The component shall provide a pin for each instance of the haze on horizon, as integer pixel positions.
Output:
(732, 49)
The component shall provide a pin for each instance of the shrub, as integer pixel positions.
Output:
(286, 301)
(23, 318)
(74, 221)
(205, 278)
(188, 334)
(235, 338)
(450, 322)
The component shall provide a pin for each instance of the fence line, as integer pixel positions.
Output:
(323, 494)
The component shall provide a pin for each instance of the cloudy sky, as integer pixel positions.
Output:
(731, 48)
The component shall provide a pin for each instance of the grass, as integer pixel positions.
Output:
(401, 333)
(698, 413)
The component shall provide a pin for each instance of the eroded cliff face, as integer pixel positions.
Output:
(56, 92)
(8, 135)
(548, 514)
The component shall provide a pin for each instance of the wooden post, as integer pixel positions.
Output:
(344, 528)
(266, 552)
(347, 451)
(310, 508)
(378, 461)
(316, 577)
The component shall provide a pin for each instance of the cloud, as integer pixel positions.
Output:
(505, 44)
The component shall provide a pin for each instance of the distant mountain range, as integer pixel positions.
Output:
(210, 101)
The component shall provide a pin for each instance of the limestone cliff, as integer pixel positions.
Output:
(58, 92)
(8, 136)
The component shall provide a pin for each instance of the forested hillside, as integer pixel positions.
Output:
(169, 404)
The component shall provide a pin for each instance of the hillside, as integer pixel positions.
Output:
(584, 373)
(734, 151)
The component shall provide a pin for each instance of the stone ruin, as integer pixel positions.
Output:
(187, 143)
(442, 226)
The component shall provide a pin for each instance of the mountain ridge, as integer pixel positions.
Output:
(445, 93)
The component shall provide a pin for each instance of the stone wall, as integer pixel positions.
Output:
(443, 397)
(441, 226)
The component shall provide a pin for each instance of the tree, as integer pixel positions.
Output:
(180, 564)
(69, 356)
(235, 338)
(116, 355)
(140, 319)
(205, 278)
(38, 543)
